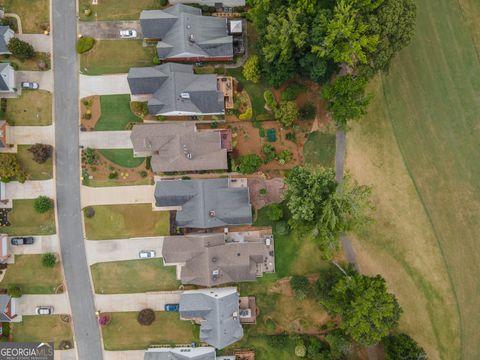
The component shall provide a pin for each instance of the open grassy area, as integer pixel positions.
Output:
(116, 9)
(28, 64)
(32, 108)
(32, 277)
(34, 170)
(42, 329)
(34, 14)
(115, 113)
(25, 220)
(134, 276)
(115, 56)
(122, 157)
(319, 150)
(126, 221)
(125, 333)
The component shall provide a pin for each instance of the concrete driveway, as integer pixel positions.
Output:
(41, 244)
(116, 84)
(106, 139)
(26, 304)
(30, 135)
(30, 189)
(40, 42)
(113, 195)
(136, 302)
(43, 78)
(122, 249)
(108, 29)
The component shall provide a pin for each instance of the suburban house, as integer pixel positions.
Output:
(219, 258)
(185, 35)
(178, 146)
(6, 34)
(7, 78)
(7, 308)
(174, 90)
(3, 248)
(184, 353)
(204, 204)
(217, 312)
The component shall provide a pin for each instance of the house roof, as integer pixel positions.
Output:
(208, 260)
(5, 35)
(4, 302)
(6, 74)
(171, 144)
(205, 203)
(186, 33)
(175, 88)
(180, 353)
(218, 310)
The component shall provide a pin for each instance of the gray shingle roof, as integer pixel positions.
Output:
(218, 310)
(6, 74)
(5, 35)
(205, 203)
(186, 33)
(4, 300)
(180, 353)
(167, 83)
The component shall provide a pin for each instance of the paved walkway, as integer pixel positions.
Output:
(30, 189)
(26, 304)
(41, 245)
(124, 355)
(29, 135)
(19, 21)
(40, 42)
(112, 195)
(103, 85)
(122, 249)
(136, 302)
(43, 78)
(106, 139)
(108, 29)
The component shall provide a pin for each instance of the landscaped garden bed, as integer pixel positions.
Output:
(32, 108)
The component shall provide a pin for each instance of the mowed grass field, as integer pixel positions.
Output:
(419, 147)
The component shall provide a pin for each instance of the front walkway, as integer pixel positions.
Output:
(115, 195)
(103, 85)
(106, 139)
(136, 302)
(30, 135)
(26, 304)
(108, 29)
(40, 42)
(30, 189)
(43, 78)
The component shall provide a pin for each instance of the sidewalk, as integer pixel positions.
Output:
(106, 139)
(136, 302)
(30, 189)
(116, 195)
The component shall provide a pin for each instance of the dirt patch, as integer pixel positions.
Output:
(90, 112)
(275, 189)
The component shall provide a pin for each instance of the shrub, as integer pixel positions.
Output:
(291, 137)
(307, 111)
(279, 341)
(6, 329)
(84, 44)
(87, 115)
(300, 351)
(163, 2)
(247, 115)
(113, 175)
(251, 69)
(89, 212)
(284, 157)
(286, 113)
(41, 152)
(249, 163)
(91, 156)
(213, 125)
(42, 204)
(262, 132)
(49, 260)
(282, 228)
(156, 59)
(11, 22)
(292, 91)
(263, 191)
(274, 212)
(239, 87)
(143, 174)
(146, 317)
(269, 152)
(20, 49)
(270, 325)
(11, 168)
(300, 285)
(402, 346)
(270, 99)
(148, 163)
(104, 320)
(14, 291)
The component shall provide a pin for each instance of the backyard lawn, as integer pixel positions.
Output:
(125, 333)
(25, 220)
(116, 56)
(115, 113)
(126, 221)
(33, 107)
(319, 150)
(116, 9)
(42, 329)
(34, 170)
(134, 276)
(32, 277)
(34, 14)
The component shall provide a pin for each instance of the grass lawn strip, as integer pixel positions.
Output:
(126, 221)
(134, 276)
(32, 108)
(116, 9)
(319, 150)
(34, 14)
(25, 220)
(34, 170)
(122, 157)
(29, 64)
(32, 277)
(49, 328)
(115, 113)
(166, 329)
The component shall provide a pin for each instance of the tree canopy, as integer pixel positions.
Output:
(11, 168)
(251, 69)
(402, 347)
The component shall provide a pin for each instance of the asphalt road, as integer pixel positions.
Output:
(66, 73)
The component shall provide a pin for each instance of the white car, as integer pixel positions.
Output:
(146, 254)
(44, 310)
(128, 34)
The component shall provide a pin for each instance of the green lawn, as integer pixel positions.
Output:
(34, 170)
(29, 64)
(32, 277)
(126, 221)
(115, 56)
(25, 220)
(125, 333)
(115, 113)
(134, 276)
(49, 328)
(319, 150)
(33, 107)
(116, 9)
(122, 157)
(34, 14)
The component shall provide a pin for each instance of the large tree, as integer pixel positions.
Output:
(20, 49)
(402, 347)
(286, 113)
(11, 168)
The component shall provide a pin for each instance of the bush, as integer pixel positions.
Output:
(21, 49)
(146, 317)
(282, 228)
(284, 157)
(307, 111)
(91, 156)
(262, 132)
(14, 291)
(104, 320)
(42, 204)
(279, 341)
(300, 351)
(163, 2)
(300, 285)
(291, 137)
(286, 113)
(49, 260)
(213, 125)
(143, 174)
(262, 191)
(247, 115)
(6, 329)
(11, 22)
(274, 212)
(269, 152)
(292, 91)
(156, 59)
(402, 346)
(84, 44)
(113, 175)
(249, 163)
(270, 99)
(148, 163)
(41, 152)
(89, 212)
(251, 69)
(270, 325)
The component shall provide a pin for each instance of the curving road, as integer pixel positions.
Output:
(66, 72)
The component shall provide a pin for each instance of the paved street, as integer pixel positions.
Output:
(122, 249)
(136, 302)
(29, 135)
(26, 304)
(108, 29)
(43, 78)
(103, 85)
(138, 194)
(106, 139)
(66, 68)
(30, 189)
(41, 245)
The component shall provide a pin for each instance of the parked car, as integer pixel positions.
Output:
(30, 85)
(44, 310)
(146, 254)
(27, 240)
(128, 34)
(172, 307)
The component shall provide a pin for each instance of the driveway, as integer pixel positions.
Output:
(114, 195)
(29, 135)
(40, 42)
(122, 249)
(116, 84)
(41, 245)
(108, 29)
(136, 302)
(26, 304)
(30, 189)
(43, 78)
(106, 139)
